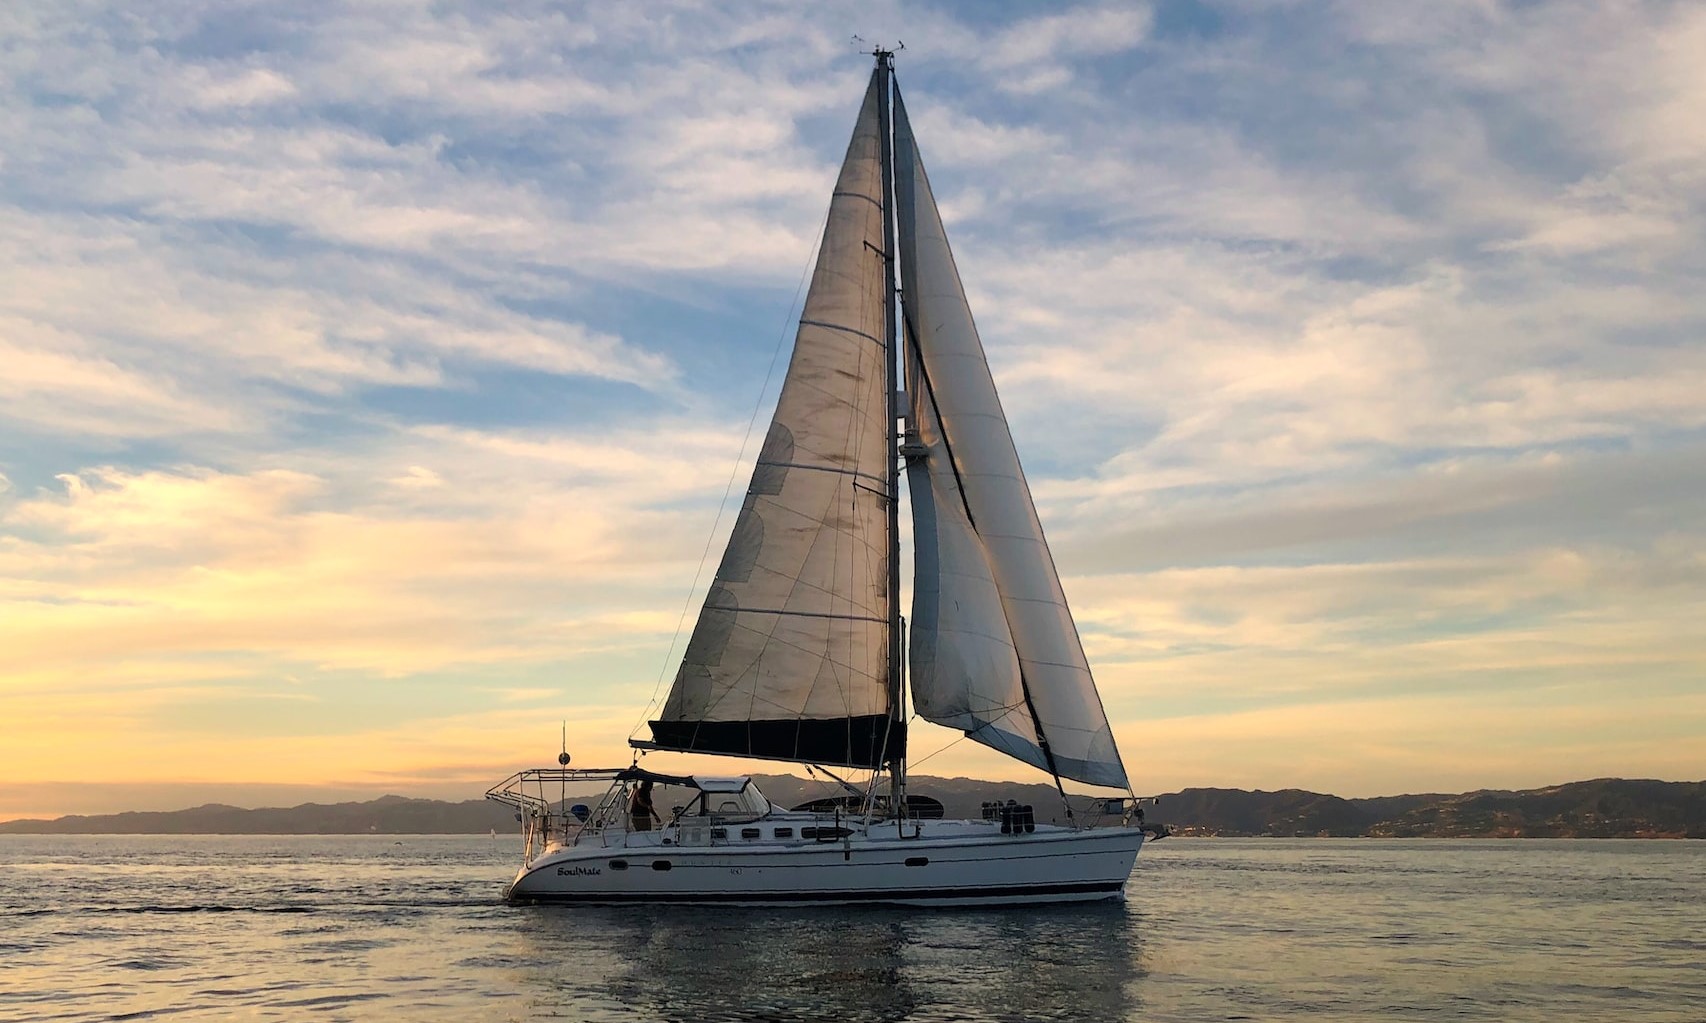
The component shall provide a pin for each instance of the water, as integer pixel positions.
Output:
(370, 928)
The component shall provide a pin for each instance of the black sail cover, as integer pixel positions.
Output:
(789, 657)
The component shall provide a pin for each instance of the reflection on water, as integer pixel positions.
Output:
(1069, 963)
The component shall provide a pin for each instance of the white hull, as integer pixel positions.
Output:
(929, 863)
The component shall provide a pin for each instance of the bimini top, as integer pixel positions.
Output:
(704, 783)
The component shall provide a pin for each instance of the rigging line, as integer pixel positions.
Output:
(1043, 743)
(734, 472)
(963, 737)
(941, 427)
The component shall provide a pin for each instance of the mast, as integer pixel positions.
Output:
(897, 700)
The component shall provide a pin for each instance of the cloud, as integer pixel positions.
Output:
(296, 568)
(124, 329)
(1034, 55)
(418, 477)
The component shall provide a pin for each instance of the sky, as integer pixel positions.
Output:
(372, 374)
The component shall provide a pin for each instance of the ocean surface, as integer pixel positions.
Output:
(380, 928)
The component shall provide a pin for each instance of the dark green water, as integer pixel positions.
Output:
(366, 928)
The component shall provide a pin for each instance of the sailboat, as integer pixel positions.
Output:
(797, 653)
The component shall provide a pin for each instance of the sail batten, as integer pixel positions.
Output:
(994, 649)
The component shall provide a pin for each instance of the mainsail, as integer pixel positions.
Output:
(994, 651)
(790, 656)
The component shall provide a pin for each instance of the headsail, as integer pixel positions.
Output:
(994, 651)
(790, 656)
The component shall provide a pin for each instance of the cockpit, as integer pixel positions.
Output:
(726, 798)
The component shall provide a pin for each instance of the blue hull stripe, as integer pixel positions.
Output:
(893, 895)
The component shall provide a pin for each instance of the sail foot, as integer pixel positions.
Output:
(866, 741)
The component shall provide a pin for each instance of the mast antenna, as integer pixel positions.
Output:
(878, 50)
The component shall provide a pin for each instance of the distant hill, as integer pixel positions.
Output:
(1288, 812)
(1602, 808)
(387, 815)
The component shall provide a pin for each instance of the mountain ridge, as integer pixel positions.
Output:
(1595, 808)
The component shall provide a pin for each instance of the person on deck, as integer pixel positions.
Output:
(640, 811)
